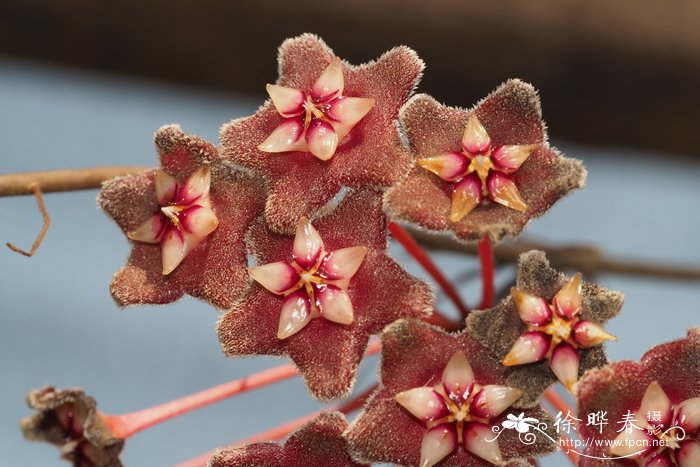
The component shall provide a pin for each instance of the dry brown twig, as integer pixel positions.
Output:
(36, 189)
(588, 259)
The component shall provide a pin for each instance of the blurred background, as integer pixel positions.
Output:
(87, 83)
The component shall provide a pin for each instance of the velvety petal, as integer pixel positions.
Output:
(438, 442)
(688, 415)
(567, 302)
(620, 387)
(322, 139)
(449, 166)
(502, 189)
(500, 326)
(655, 400)
(181, 154)
(380, 291)
(689, 454)
(475, 139)
(150, 231)
(466, 196)
(166, 187)
(458, 377)
(413, 355)
(492, 400)
(343, 263)
(475, 441)
(308, 244)
(335, 304)
(509, 158)
(372, 154)
(286, 137)
(289, 102)
(564, 363)
(423, 403)
(345, 112)
(319, 443)
(295, 314)
(277, 277)
(511, 116)
(588, 334)
(532, 309)
(330, 84)
(531, 346)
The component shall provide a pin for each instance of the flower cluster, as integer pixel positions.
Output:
(284, 227)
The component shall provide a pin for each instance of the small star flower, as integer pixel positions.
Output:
(314, 283)
(335, 268)
(555, 331)
(457, 412)
(662, 394)
(317, 120)
(319, 443)
(327, 125)
(548, 316)
(186, 222)
(440, 397)
(69, 419)
(482, 172)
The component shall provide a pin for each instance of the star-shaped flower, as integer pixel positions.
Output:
(323, 105)
(440, 397)
(660, 400)
(355, 288)
(314, 283)
(555, 331)
(319, 443)
(482, 172)
(547, 316)
(187, 221)
(69, 419)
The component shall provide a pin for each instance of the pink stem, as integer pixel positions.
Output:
(415, 250)
(283, 430)
(126, 425)
(486, 255)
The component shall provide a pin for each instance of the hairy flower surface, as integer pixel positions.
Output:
(323, 276)
(319, 443)
(187, 221)
(324, 105)
(482, 172)
(555, 331)
(547, 316)
(439, 399)
(659, 398)
(69, 419)
(379, 291)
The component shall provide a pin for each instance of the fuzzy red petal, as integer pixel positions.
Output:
(216, 270)
(499, 327)
(319, 443)
(620, 386)
(511, 116)
(414, 354)
(371, 154)
(381, 292)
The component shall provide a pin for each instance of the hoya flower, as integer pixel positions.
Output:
(336, 270)
(549, 327)
(486, 171)
(442, 400)
(69, 419)
(319, 443)
(327, 125)
(186, 222)
(651, 408)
